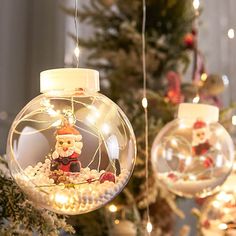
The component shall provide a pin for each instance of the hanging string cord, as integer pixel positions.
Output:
(144, 50)
(76, 20)
(195, 51)
(145, 104)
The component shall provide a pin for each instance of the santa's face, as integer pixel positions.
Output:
(65, 146)
(200, 135)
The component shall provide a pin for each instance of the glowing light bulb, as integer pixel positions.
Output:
(225, 80)
(61, 198)
(216, 204)
(144, 102)
(223, 196)
(105, 128)
(174, 142)
(196, 99)
(182, 125)
(188, 160)
(234, 120)
(77, 51)
(117, 222)
(46, 103)
(192, 177)
(57, 123)
(52, 112)
(49, 108)
(71, 120)
(204, 77)
(223, 226)
(218, 146)
(231, 33)
(169, 155)
(70, 116)
(196, 4)
(149, 227)
(112, 208)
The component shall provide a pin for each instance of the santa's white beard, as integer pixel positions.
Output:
(63, 153)
(196, 140)
(77, 149)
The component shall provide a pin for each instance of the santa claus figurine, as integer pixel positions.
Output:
(201, 151)
(201, 133)
(67, 150)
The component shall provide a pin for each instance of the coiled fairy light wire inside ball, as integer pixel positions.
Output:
(71, 149)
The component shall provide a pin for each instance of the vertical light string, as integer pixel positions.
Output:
(145, 105)
(77, 50)
(76, 20)
(72, 105)
(196, 5)
(231, 35)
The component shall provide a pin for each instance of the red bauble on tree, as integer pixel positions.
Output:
(174, 90)
(189, 40)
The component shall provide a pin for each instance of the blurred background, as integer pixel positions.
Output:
(35, 36)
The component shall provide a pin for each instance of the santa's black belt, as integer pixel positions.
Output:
(66, 160)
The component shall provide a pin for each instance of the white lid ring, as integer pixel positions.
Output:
(69, 79)
(198, 111)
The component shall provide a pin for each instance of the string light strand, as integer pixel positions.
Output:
(144, 51)
(76, 20)
(145, 105)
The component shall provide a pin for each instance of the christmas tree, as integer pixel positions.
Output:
(116, 51)
(18, 216)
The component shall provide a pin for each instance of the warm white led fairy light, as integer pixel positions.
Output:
(145, 105)
(231, 33)
(196, 4)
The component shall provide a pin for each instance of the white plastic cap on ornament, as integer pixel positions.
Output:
(194, 111)
(69, 79)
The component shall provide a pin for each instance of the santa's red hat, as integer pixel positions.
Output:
(68, 131)
(199, 124)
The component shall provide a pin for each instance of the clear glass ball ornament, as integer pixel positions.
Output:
(193, 154)
(218, 215)
(71, 149)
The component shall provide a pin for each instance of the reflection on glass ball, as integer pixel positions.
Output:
(193, 154)
(218, 216)
(71, 151)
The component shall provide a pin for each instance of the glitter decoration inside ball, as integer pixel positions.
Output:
(193, 154)
(71, 149)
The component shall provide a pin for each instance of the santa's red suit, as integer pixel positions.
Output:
(201, 144)
(67, 139)
(201, 148)
(68, 164)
